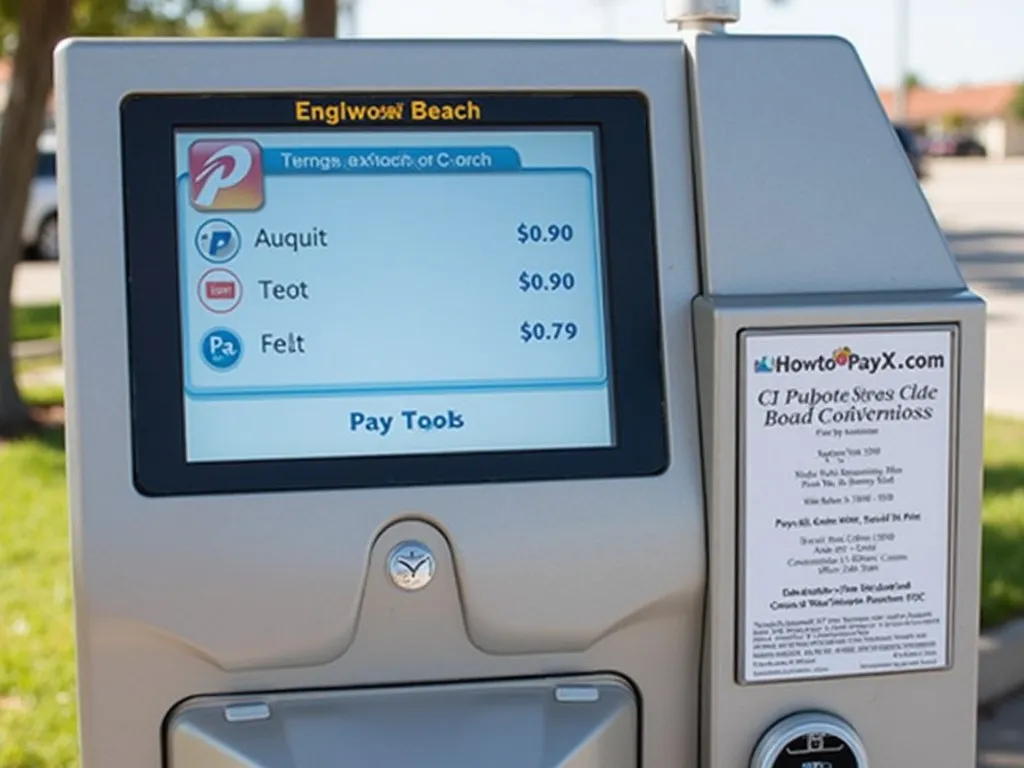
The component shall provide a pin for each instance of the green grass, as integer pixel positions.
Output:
(36, 321)
(44, 396)
(37, 702)
(1002, 581)
(37, 675)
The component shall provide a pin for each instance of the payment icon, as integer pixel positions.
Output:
(221, 349)
(218, 241)
(220, 290)
(226, 175)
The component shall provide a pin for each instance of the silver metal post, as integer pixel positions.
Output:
(607, 8)
(902, 59)
(347, 26)
(704, 15)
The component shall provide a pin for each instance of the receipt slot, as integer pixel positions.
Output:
(512, 403)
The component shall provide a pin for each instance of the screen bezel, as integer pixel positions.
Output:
(149, 123)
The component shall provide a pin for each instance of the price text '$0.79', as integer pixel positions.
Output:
(554, 331)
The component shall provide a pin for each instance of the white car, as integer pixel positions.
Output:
(39, 232)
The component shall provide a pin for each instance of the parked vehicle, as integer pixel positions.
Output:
(956, 146)
(968, 146)
(39, 231)
(912, 148)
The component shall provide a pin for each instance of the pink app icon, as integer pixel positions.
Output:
(226, 175)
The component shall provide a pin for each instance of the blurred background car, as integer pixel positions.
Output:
(961, 145)
(39, 232)
(912, 147)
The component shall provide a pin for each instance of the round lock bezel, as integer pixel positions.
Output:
(771, 744)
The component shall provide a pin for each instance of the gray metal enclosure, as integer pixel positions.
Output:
(598, 622)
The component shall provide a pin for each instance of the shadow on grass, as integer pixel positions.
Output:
(37, 321)
(51, 437)
(1003, 479)
(1002, 577)
(41, 452)
(31, 760)
(42, 444)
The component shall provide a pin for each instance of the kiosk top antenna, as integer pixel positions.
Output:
(710, 15)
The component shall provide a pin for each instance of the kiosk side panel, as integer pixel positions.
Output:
(841, 362)
(907, 611)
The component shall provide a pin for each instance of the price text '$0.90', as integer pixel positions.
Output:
(554, 281)
(552, 233)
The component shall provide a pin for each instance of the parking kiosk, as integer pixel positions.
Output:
(502, 403)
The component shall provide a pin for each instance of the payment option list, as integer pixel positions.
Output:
(422, 291)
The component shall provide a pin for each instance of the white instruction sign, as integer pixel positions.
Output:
(845, 502)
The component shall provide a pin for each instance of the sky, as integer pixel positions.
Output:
(951, 41)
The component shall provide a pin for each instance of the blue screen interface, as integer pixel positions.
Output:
(391, 293)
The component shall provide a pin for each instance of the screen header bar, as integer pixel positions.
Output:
(387, 110)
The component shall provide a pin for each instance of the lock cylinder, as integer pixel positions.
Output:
(810, 740)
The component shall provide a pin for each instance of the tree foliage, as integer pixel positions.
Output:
(162, 18)
(954, 122)
(273, 21)
(912, 80)
(29, 29)
(1017, 105)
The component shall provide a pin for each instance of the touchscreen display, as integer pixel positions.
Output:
(395, 292)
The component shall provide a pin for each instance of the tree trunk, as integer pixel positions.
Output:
(41, 25)
(319, 18)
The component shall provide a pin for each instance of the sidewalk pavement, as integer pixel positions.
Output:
(1001, 735)
(36, 349)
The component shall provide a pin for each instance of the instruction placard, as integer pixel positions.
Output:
(845, 502)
